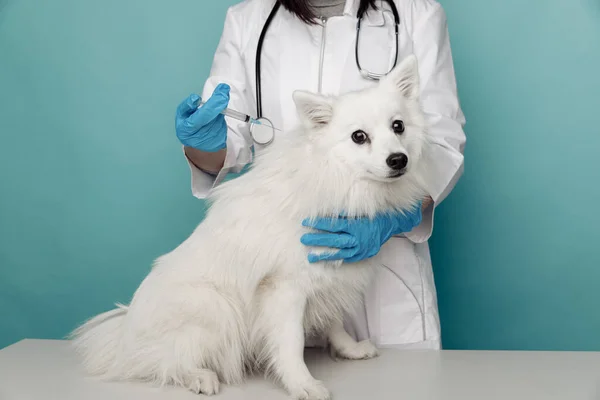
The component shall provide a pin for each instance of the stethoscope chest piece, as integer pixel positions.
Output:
(262, 131)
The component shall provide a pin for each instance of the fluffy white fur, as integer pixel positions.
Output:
(239, 293)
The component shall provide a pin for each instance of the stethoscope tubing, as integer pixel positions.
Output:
(266, 28)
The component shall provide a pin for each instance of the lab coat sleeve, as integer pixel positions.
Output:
(227, 67)
(439, 100)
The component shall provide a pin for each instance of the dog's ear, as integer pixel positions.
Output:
(404, 78)
(314, 110)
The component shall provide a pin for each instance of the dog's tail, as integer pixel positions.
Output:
(98, 338)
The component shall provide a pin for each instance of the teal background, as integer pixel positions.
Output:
(94, 185)
(516, 251)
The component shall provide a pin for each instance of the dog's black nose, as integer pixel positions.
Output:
(397, 161)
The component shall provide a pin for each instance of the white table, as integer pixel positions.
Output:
(47, 369)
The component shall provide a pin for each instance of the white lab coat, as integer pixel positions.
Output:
(400, 307)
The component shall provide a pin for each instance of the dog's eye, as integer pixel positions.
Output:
(360, 137)
(398, 127)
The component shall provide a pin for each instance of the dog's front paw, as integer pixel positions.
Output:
(312, 390)
(357, 351)
(204, 382)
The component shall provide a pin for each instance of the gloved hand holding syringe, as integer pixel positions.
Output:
(202, 126)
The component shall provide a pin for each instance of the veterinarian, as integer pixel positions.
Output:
(316, 45)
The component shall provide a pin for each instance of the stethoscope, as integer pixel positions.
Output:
(263, 136)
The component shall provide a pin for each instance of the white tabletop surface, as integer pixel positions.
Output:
(47, 369)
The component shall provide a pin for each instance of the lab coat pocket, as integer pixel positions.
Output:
(394, 302)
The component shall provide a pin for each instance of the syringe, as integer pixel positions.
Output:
(236, 115)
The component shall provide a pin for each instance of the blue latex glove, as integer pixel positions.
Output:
(356, 239)
(205, 128)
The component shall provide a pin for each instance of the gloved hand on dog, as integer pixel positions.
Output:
(205, 128)
(356, 239)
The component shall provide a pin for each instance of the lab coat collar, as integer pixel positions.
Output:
(372, 17)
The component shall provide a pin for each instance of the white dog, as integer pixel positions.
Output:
(239, 293)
